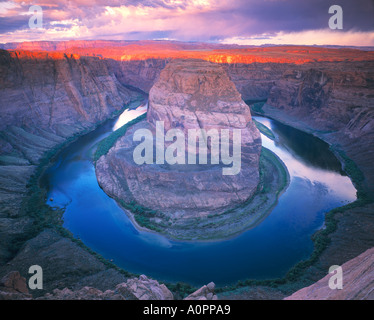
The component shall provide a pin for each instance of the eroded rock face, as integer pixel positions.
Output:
(358, 282)
(334, 102)
(204, 293)
(141, 288)
(13, 287)
(144, 288)
(190, 94)
(197, 94)
(46, 98)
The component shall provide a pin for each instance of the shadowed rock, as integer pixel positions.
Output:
(358, 282)
(141, 288)
(189, 94)
(13, 287)
(204, 293)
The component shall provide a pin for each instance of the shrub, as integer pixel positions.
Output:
(104, 145)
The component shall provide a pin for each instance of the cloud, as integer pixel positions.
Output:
(309, 37)
(192, 20)
(9, 24)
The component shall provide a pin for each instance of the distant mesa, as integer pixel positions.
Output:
(189, 94)
(142, 50)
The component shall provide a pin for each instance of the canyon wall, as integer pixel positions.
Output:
(56, 90)
(47, 97)
(331, 99)
(141, 74)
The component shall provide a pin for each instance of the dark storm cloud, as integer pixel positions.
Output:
(296, 15)
(9, 24)
(212, 20)
(293, 15)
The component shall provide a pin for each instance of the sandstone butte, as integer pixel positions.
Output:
(189, 94)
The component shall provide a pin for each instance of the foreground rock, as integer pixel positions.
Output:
(358, 282)
(64, 264)
(147, 289)
(204, 293)
(13, 287)
(190, 94)
(140, 288)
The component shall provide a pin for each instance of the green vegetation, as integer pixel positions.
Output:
(295, 279)
(354, 173)
(273, 158)
(34, 203)
(44, 216)
(273, 180)
(181, 290)
(142, 214)
(104, 145)
(264, 129)
(256, 106)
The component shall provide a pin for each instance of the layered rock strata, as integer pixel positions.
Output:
(189, 94)
(46, 99)
(357, 282)
(26, 73)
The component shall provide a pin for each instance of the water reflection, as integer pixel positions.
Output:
(266, 251)
(308, 158)
(305, 147)
(130, 114)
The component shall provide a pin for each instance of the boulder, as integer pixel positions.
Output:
(204, 293)
(13, 287)
(141, 288)
(144, 288)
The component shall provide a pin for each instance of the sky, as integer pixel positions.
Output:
(248, 22)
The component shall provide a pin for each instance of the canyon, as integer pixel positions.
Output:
(52, 92)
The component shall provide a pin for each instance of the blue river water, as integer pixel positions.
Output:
(267, 251)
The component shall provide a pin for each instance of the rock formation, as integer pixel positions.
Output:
(13, 287)
(358, 282)
(46, 99)
(189, 94)
(333, 103)
(140, 288)
(204, 293)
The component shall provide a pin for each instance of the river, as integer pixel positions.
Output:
(269, 250)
